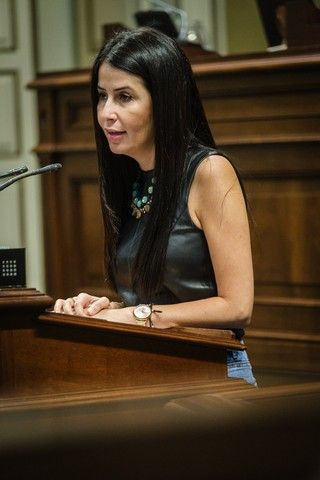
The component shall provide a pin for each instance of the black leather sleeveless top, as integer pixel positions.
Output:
(188, 273)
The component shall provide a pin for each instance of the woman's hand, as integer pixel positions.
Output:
(84, 305)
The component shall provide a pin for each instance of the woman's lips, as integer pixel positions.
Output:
(114, 136)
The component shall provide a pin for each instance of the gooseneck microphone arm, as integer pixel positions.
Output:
(49, 168)
(14, 171)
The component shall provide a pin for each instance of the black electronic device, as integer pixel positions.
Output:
(12, 267)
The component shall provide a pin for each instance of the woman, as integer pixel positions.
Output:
(176, 227)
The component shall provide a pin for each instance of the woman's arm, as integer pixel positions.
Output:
(216, 205)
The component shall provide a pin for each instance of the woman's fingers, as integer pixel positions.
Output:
(84, 304)
(78, 307)
(100, 303)
(64, 306)
(81, 302)
(58, 306)
(68, 306)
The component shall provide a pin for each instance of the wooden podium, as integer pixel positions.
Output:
(54, 354)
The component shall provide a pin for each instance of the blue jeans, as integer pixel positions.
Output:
(239, 366)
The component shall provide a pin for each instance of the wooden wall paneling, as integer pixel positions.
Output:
(268, 121)
(82, 223)
(55, 263)
(47, 117)
(74, 232)
(73, 229)
(75, 116)
(285, 203)
(283, 159)
(260, 107)
(286, 353)
(286, 210)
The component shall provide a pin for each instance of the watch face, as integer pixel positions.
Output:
(142, 312)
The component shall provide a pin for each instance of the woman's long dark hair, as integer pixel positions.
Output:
(178, 122)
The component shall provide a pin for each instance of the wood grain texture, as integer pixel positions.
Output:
(189, 437)
(56, 354)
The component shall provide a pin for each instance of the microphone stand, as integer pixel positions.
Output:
(39, 171)
(14, 172)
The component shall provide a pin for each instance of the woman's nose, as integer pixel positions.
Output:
(109, 110)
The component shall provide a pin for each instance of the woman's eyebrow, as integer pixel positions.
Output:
(117, 89)
(125, 87)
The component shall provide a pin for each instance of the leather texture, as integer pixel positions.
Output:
(188, 271)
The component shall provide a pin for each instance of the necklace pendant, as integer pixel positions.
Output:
(142, 199)
(135, 211)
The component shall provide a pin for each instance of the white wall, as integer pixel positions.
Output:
(20, 205)
(44, 41)
(54, 26)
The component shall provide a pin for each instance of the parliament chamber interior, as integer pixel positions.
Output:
(84, 397)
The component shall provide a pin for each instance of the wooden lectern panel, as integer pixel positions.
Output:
(58, 353)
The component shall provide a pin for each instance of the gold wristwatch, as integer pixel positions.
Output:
(142, 314)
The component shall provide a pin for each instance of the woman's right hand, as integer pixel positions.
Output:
(84, 305)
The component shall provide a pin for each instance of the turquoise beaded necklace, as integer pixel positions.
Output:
(142, 197)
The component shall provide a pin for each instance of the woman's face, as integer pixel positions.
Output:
(124, 113)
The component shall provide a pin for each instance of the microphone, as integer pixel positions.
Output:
(14, 171)
(49, 168)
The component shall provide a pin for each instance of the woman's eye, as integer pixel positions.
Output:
(125, 97)
(102, 97)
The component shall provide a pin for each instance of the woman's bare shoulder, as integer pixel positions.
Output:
(215, 173)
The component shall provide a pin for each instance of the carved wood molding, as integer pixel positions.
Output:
(283, 336)
(12, 298)
(219, 65)
(256, 63)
